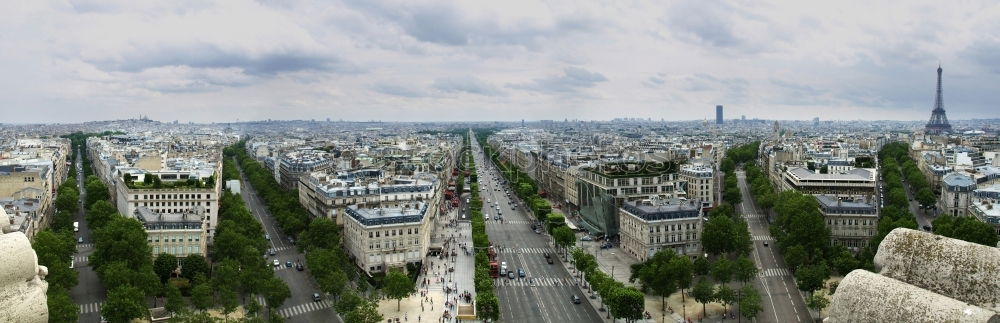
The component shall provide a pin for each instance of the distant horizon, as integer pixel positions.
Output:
(711, 121)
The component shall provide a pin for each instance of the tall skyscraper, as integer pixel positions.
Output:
(939, 121)
(718, 114)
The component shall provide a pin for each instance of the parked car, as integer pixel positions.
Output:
(586, 238)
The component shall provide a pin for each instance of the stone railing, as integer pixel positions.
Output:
(22, 288)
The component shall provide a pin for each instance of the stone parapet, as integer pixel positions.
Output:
(864, 296)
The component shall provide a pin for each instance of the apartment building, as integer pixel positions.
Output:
(22, 215)
(852, 221)
(296, 164)
(31, 183)
(856, 182)
(699, 184)
(956, 193)
(604, 188)
(382, 238)
(984, 206)
(329, 195)
(180, 234)
(651, 225)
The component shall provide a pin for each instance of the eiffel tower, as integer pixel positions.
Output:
(939, 121)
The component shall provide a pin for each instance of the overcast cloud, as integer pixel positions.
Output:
(204, 61)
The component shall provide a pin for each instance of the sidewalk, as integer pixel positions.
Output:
(443, 287)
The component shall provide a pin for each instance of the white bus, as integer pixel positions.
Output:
(76, 226)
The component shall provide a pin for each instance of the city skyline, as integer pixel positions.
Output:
(431, 61)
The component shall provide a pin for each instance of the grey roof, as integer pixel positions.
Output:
(958, 179)
(381, 216)
(663, 209)
(858, 174)
(149, 218)
(833, 204)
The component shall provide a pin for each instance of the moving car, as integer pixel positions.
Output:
(765, 243)
(271, 252)
(267, 236)
(300, 267)
(576, 299)
(926, 228)
(549, 260)
(288, 264)
(79, 240)
(276, 263)
(586, 238)
(510, 274)
(520, 272)
(316, 297)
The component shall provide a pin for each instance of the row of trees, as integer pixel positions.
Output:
(523, 185)
(623, 302)
(55, 246)
(487, 303)
(726, 236)
(319, 238)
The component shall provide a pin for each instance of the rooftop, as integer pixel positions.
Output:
(856, 174)
(384, 216)
(958, 179)
(633, 169)
(663, 209)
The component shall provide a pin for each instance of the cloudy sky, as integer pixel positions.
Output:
(203, 61)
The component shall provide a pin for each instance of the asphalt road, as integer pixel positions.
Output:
(780, 298)
(300, 307)
(89, 293)
(544, 295)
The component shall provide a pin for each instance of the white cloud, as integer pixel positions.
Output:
(425, 60)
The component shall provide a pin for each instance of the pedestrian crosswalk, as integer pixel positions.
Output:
(753, 216)
(84, 245)
(90, 308)
(761, 237)
(534, 282)
(80, 260)
(774, 272)
(304, 308)
(525, 250)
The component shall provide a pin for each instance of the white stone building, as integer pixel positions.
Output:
(383, 238)
(648, 226)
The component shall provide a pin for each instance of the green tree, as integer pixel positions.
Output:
(812, 277)
(122, 238)
(164, 265)
(817, 302)
(564, 237)
(100, 213)
(626, 303)
(333, 283)
(123, 304)
(972, 230)
(398, 286)
(229, 301)
(487, 306)
(795, 256)
(717, 235)
(725, 295)
(68, 201)
(722, 271)
(276, 292)
(366, 312)
(681, 271)
(749, 302)
(926, 197)
(322, 233)
(175, 302)
(61, 306)
(703, 293)
(253, 308)
(201, 296)
(193, 265)
(744, 269)
(702, 266)
(348, 301)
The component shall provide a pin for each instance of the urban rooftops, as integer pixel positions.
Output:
(383, 216)
(192, 219)
(663, 209)
(633, 169)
